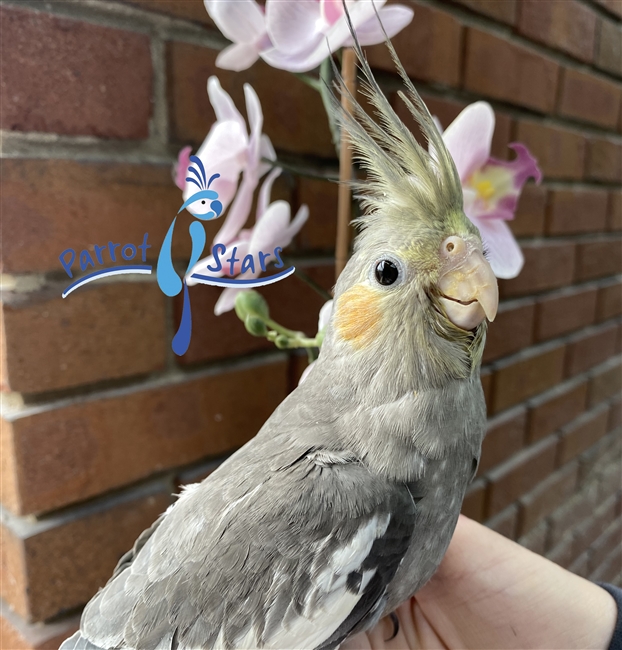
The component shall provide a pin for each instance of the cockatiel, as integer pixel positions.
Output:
(345, 502)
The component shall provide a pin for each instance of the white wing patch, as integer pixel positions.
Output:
(328, 599)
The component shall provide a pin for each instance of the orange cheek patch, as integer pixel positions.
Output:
(357, 315)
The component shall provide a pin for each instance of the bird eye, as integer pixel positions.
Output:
(386, 272)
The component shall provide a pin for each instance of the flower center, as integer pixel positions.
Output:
(485, 189)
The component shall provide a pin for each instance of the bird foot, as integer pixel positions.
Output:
(396, 626)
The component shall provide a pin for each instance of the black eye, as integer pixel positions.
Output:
(203, 202)
(386, 272)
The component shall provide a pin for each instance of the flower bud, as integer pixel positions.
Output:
(253, 303)
(281, 342)
(255, 326)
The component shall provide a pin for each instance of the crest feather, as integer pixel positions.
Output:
(399, 169)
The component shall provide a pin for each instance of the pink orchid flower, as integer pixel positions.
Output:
(298, 35)
(325, 313)
(491, 187)
(230, 150)
(243, 22)
(273, 227)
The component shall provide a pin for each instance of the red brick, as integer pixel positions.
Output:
(563, 554)
(59, 453)
(193, 10)
(554, 409)
(535, 540)
(576, 510)
(292, 303)
(598, 258)
(16, 634)
(65, 563)
(546, 497)
(591, 461)
(515, 477)
(584, 432)
(486, 378)
(610, 480)
(614, 6)
(565, 312)
(446, 110)
(579, 565)
(589, 348)
(589, 98)
(504, 438)
(604, 160)
(99, 332)
(595, 526)
(503, 10)
(511, 331)
(605, 544)
(51, 205)
(320, 231)
(505, 522)
(502, 70)
(565, 25)
(577, 211)
(606, 382)
(474, 500)
(530, 213)
(560, 153)
(548, 265)
(429, 48)
(294, 118)
(531, 373)
(610, 570)
(609, 302)
(69, 77)
(609, 49)
(614, 215)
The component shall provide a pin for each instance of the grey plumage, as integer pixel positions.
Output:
(345, 502)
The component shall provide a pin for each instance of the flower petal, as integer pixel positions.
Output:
(271, 229)
(241, 245)
(226, 301)
(180, 169)
(504, 253)
(238, 57)
(266, 150)
(255, 119)
(241, 21)
(503, 181)
(263, 200)
(293, 26)
(325, 314)
(469, 136)
(393, 19)
(238, 212)
(305, 373)
(221, 102)
(332, 40)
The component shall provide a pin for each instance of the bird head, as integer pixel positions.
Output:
(418, 290)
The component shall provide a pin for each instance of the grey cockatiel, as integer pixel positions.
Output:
(344, 503)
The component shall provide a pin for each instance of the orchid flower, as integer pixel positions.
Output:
(273, 228)
(298, 35)
(325, 313)
(491, 187)
(230, 150)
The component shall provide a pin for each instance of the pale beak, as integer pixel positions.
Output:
(467, 284)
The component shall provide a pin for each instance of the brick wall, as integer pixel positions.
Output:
(101, 421)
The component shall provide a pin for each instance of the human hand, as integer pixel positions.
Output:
(489, 592)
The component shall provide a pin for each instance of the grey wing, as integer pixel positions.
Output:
(300, 560)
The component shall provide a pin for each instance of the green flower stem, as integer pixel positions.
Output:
(309, 80)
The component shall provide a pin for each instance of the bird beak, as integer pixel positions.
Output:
(469, 291)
